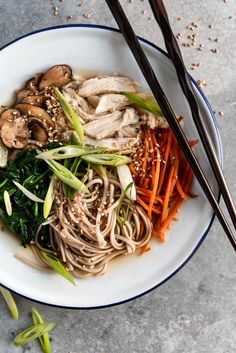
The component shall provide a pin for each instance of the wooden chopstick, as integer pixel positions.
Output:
(165, 106)
(173, 50)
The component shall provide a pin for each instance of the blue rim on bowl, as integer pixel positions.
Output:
(203, 236)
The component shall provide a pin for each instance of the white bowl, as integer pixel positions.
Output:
(103, 49)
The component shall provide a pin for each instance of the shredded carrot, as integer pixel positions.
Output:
(167, 195)
(163, 178)
(155, 183)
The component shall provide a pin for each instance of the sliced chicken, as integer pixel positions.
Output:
(103, 127)
(112, 102)
(130, 117)
(154, 121)
(70, 92)
(113, 144)
(93, 101)
(128, 131)
(95, 86)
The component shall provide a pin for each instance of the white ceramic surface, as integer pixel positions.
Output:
(100, 49)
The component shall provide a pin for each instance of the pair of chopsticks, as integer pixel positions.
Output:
(161, 17)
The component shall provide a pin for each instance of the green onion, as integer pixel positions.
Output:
(7, 201)
(49, 197)
(100, 170)
(58, 266)
(33, 332)
(27, 193)
(123, 195)
(69, 151)
(107, 159)
(44, 339)
(144, 103)
(66, 176)
(10, 303)
(70, 114)
(3, 155)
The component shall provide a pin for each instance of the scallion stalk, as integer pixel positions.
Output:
(27, 193)
(10, 303)
(49, 197)
(144, 103)
(66, 176)
(70, 114)
(107, 159)
(53, 261)
(33, 332)
(44, 339)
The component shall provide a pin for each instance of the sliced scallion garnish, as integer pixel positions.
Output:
(33, 332)
(10, 303)
(49, 197)
(106, 159)
(69, 151)
(58, 266)
(3, 155)
(7, 201)
(70, 114)
(66, 176)
(27, 193)
(144, 103)
(123, 195)
(44, 339)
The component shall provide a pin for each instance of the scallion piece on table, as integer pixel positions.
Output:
(49, 197)
(10, 303)
(33, 332)
(144, 103)
(106, 159)
(58, 266)
(27, 193)
(123, 195)
(66, 176)
(7, 201)
(44, 339)
(70, 114)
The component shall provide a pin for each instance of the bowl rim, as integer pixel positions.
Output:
(213, 118)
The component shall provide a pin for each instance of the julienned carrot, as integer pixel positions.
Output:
(147, 193)
(175, 208)
(146, 207)
(166, 156)
(132, 170)
(155, 183)
(167, 195)
(180, 190)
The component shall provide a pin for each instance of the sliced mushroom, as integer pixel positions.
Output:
(9, 115)
(34, 100)
(33, 110)
(38, 131)
(22, 94)
(33, 83)
(14, 129)
(58, 75)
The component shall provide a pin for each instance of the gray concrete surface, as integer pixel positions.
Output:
(195, 311)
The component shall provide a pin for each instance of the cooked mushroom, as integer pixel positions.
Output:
(34, 100)
(58, 75)
(33, 110)
(22, 94)
(38, 131)
(14, 129)
(33, 83)
(9, 115)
